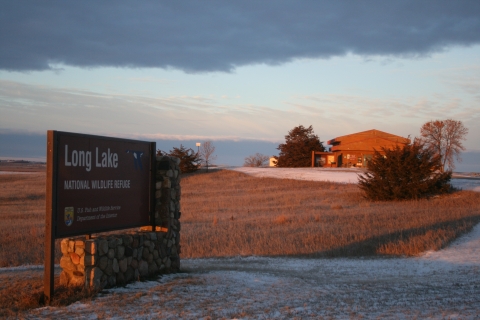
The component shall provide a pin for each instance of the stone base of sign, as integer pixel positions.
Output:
(107, 261)
(118, 259)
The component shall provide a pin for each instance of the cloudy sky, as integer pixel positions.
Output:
(240, 73)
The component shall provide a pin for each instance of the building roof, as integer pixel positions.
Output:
(366, 141)
(369, 134)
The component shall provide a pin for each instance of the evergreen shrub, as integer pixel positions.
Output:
(189, 159)
(403, 173)
(298, 147)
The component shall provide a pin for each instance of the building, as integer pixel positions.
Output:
(356, 149)
(272, 162)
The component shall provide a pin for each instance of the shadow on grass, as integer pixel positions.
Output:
(434, 237)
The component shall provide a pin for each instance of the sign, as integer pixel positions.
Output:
(95, 184)
(99, 183)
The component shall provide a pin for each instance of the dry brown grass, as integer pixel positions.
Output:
(226, 213)
(276, 217)
(25, 291)
(22, 167)
(22, 214)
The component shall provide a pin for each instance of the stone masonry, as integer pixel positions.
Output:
(107, 261)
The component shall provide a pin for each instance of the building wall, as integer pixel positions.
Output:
(272, 162)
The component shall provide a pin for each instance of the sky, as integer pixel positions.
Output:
(238, 73)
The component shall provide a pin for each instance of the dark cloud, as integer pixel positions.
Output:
(199, 36)
(21, 145)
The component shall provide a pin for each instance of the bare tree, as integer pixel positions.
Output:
(206, 153)
(444, 138)
(256, 160)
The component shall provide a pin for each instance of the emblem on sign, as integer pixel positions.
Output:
(137, 161)
(68, 216)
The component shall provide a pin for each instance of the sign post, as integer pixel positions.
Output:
(50, 201)
(95, 184)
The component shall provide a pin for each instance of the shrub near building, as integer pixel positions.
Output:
(402, 173)
(298, 147)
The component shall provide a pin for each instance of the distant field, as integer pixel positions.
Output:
(227, 213)
(22, 166)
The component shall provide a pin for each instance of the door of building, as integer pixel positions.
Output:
(339, 160)
(366, 159)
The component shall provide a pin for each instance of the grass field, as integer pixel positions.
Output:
(227, 213)
(22, 219)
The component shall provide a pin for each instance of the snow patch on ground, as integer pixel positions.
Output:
(341, 175)
(443, 284)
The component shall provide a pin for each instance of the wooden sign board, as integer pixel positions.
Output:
(96, 184)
